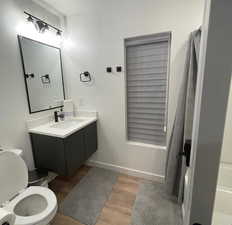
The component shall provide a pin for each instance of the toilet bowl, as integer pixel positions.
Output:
(31, 206)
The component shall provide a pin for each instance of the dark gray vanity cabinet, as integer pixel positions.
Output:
(64, 155)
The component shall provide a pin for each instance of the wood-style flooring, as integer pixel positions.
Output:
(117, 209)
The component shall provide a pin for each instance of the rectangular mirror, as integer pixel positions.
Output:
(43, 75)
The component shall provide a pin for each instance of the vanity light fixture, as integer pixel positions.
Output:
(58, 33)
(40, 25)
(30, 19)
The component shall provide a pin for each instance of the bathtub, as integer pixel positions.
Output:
(223, 199)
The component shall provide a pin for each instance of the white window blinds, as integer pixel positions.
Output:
(147, 62)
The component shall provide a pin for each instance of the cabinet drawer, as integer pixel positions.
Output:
(48, 153)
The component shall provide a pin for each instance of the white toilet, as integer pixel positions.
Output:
(30, 205)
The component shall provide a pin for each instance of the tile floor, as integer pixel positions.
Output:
(117, 209)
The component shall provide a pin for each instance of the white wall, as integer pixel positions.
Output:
(13, 101)
(98, 32)
(226, 156)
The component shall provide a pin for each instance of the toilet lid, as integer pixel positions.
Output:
(13, 175)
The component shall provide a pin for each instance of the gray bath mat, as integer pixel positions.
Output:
(86, 200)
(154, 207)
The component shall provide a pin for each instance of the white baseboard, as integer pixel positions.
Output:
(128, 171)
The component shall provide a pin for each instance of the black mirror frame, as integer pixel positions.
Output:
(24, 73)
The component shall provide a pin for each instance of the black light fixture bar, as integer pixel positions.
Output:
(38, 19)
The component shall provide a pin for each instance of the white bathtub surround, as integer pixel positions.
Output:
(223, 201)
(226, 156)
(225, 176)
(223, 207)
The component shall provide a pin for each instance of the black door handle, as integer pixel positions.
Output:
(182, 154)
(187, 152)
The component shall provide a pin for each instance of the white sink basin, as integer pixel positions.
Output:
(64, 128)
(67, 124)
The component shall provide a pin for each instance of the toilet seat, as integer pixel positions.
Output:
(31, 206)
(43, 217)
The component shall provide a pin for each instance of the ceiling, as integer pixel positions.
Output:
(67, 7)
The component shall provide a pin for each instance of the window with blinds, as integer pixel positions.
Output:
(147, 66)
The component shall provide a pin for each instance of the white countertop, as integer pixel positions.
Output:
(53, 129)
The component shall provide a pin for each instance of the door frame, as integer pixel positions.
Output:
(212, 92)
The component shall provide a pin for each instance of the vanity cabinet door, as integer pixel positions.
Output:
(49, 153)
(91, 139)
(74, 152)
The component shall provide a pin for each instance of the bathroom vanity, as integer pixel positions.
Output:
(61, 147)
(64, 146)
